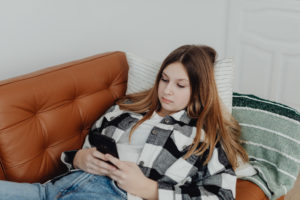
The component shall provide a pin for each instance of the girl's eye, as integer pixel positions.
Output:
(164, 80)
(180, 86)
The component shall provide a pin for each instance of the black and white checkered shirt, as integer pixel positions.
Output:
(162, 157)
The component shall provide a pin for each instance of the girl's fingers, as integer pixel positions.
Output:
(116, 162)
(100, 167)
(98, 154)
(93, 161)
(102, 164)
(116, 178)
(99, 160)
(98, 171)
(99, 163)
(117, 173)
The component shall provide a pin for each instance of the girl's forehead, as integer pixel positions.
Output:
(176, 71)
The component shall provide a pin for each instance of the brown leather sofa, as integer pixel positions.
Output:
(51, 110)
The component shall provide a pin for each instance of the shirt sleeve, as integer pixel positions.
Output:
(216, 180)
(67, 157)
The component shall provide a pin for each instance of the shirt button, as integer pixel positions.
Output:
(154, 132)
(141, 163)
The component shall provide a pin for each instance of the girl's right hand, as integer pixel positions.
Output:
(90, 160)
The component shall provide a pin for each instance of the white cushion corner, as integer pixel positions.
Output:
(142, 73)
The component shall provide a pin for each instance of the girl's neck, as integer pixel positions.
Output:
(164, 113)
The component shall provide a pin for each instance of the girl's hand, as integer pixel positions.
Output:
(90, 160)
(130, 178)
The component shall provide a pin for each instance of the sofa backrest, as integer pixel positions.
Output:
(51, 110)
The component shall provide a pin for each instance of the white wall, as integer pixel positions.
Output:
(38, 33)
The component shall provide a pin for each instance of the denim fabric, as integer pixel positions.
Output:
(77, 185)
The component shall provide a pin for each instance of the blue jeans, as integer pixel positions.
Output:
(76, 185)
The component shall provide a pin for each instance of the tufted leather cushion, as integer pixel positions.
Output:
(50, 111)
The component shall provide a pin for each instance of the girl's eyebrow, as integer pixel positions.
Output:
(180, 79)
(163, 73)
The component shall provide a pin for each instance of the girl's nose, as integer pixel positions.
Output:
(169, 89)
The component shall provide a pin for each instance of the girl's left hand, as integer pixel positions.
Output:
(130, 178)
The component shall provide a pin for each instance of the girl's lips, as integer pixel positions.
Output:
(166, 100)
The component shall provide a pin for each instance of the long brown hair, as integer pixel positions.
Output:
(204, 104)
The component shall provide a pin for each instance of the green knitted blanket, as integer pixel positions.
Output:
(271, 136)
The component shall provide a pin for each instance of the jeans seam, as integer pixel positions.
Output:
(74, 185)
(80, 178)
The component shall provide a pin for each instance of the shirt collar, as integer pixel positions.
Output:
(181, 116)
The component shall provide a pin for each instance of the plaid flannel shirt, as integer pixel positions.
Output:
(162, 157)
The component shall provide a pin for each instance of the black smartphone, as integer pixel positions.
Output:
(104, 144)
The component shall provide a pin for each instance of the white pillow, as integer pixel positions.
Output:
(142, 74)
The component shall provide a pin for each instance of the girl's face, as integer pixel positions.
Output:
(173, 89)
